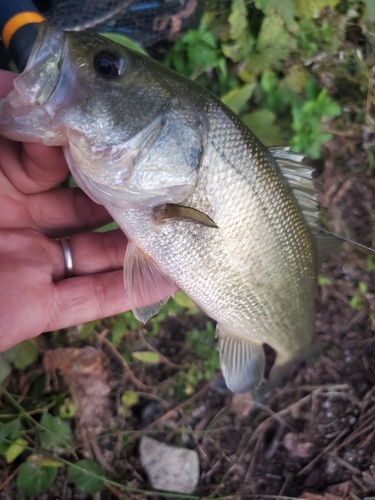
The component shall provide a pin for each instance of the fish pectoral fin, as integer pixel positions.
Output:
(144, 281)
(179, 212)
(242, 362)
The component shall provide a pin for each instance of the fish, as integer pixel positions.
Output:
(206, 207)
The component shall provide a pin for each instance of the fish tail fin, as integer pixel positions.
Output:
(283, 364)
(242, 361)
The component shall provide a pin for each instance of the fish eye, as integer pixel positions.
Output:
(109, 64)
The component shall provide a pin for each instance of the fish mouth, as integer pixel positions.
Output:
(42, 73)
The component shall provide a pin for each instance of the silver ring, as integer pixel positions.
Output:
(68, 258)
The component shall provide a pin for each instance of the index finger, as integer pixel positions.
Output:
(6, 82)
(39, 167)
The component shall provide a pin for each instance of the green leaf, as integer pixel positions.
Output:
(238, 19)
(125, 42)
(121, 325)
(12, 430)
(356, 302)
(369, 14)
(108, 227)
(129, 398)
(296, 79)
(86, 331)
(146, 357)
(15, 449)
(237, 99)
(274, 42)
(284, 8)
(10, 354)
(324, 280)
(183, 300)
(85, 481)
(58, 433)
(33, 479)
(5, 368)
(312, 8)
(68, 409)
(261, 123)
(3, 448)
(238, 50)
(26, 353)
(196, 52)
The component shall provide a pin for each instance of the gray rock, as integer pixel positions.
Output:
(169, 468)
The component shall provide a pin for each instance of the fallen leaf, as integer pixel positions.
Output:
(315, 496)
(341, 490)
(369, 477)
(146, 357)
(296, 447)
(242, 404)
(84, 374)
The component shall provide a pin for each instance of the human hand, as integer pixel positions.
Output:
(35, 297)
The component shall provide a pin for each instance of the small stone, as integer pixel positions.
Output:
(169, 468)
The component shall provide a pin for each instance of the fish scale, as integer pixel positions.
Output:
(230, 270)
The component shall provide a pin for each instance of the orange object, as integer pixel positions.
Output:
(17, 22)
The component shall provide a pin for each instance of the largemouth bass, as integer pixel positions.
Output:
(204, 204)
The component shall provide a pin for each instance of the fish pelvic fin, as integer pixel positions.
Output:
(144, 280)
(242, 362)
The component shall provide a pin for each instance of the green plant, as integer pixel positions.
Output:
(207, 363)
(308, 118)
(357, 301)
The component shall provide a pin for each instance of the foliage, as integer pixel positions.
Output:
(21, 355)
(265, 60)
(207, 362)
(34, 478)
(307, 117)
(80, 474)
(357, 301)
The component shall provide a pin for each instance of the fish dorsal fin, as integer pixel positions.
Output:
(301, 181)
(144, 281)
(242, 362)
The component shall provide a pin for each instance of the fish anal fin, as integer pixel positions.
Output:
(144, 281)
(169, 211)
(242, 362)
